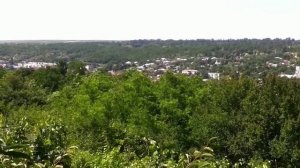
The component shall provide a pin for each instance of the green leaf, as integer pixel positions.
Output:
(207, 155)
(208, 149)
(17, 154)
(16, 146)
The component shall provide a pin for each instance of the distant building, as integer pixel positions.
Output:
(296, 75)
(269, 64)
(3, 64)
(189, 71)
(128, 63)
(205, 59)
(141, 68)
(286, 75)
(181, 59)
(217, 63)
(214, 75)
(34, 65)
(161, 70)
(92, 67)
(150, 65)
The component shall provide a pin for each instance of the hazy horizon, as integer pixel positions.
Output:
(108, 40)
(117, 20)
(224, 39)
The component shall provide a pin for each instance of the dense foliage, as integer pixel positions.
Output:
(64, 117)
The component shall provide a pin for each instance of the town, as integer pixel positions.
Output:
(155, 68)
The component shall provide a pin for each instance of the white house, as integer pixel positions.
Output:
(189, 71)
(214, 75)
(296, 75)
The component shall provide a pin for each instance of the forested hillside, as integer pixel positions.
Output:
(141, 50)
(63, 116)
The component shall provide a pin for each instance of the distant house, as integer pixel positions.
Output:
(269, 64)
(189, 71)
(217, 63)
(296, 75)
(92, 67)
(214, 75)
(128, 63)
(161, 70)
(150, 65)
(34, 65)
(141, 68)
(205, 59)
(181, 59)
(287, 75)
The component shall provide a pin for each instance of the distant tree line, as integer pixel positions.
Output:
(141, 50)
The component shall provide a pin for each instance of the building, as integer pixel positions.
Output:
(296, 75)
(34, 65)
(214, 75)
(189, 71)
(297, 72)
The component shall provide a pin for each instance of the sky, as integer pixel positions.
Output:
(148, 19)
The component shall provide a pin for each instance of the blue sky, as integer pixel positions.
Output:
(148, 19)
